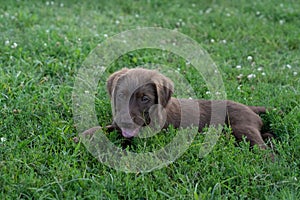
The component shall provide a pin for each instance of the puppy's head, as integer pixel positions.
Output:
(138, 97)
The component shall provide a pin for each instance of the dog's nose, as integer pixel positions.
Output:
(124, 120)
(126, 125)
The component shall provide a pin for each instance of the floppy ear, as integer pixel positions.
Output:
(111, 81)
(164, 88)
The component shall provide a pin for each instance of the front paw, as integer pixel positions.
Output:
(87, 133)
(90, 132)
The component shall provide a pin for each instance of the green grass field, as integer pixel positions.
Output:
(43, 45)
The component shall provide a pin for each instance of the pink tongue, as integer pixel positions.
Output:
(129, 133)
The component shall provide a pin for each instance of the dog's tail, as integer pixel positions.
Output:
(258, 109)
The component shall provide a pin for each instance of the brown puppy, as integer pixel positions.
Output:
(142, 97)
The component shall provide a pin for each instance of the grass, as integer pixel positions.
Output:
(44, 43)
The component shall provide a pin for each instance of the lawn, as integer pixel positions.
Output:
(255, 45)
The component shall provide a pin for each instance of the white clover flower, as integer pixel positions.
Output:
(257, 13)
(224, 41)
(61, 5)
(47, 3)
(251, 76)
(295, 73)
(101, 68)
(239, 87)
(240, 76)
(6, 42)
(105, 35)
(228, 14)
(281, 21)
(117, 22)
(288, 66)
(137, 16)
(207, 92)
(260, 69)
(193, 5)
(86, 92)
(3, 139)
(238, 67)
(249, 58)
(208, 10)
(263, 73)
(212, 40)
(14, 45)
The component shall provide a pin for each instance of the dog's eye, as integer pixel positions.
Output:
(145, 99)
(120, 95)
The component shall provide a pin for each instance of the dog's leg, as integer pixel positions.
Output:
(252, 135)
(258, 109)
(90, 132)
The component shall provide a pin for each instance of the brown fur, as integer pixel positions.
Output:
(140, 96)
